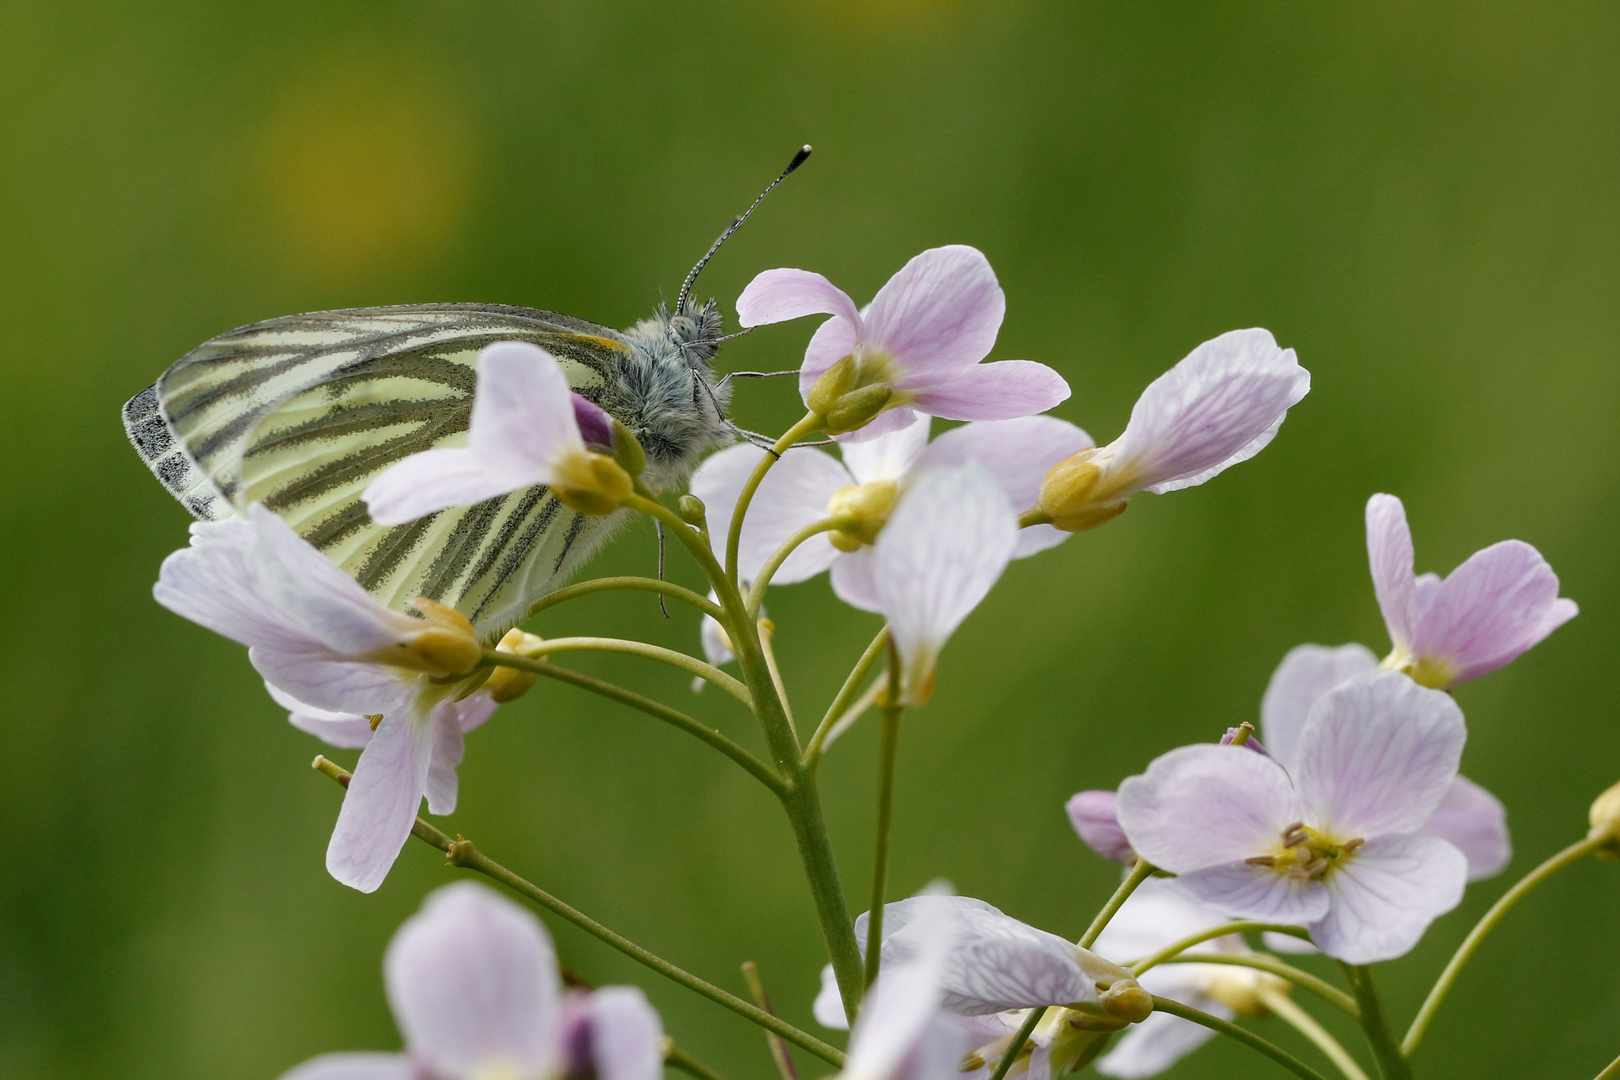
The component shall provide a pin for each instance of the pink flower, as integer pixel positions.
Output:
(527, 428)
(333, 656)
(1499, 603)
(922, 336)
(472, 980)
(1337, 848)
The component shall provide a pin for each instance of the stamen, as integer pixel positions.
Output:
(375, 718)
(1261, 860)
(1351, 845)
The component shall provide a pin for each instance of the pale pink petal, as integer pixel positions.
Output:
(1151, 1047)
(794, 494)
(1473, 821)
(448, 749)
(1158, 913)
(890, 456)
(474, 709)
(854, 579)
(1305, 674)
(357, 687)
(945, 545)
(1093, 815)
(472, 979)
(899, 1014)
(354, 1067)
(522, 415)
(716, 645)
(215, 584)
(887, 422)
(1212, 410)
(343, 730)
(1425, 589)
(381, 803)
(992, 976)
(828, 1007)
(1377, 755)
(428, 482)
(779, 295)
(1386, 894)
(1287, 943)
(1389, 552)
(1004, 390)
(942, 309)
(1491, 609)
(1204, 805)
(1256, 892)
(1018, 454)
(832, 341)
(625, 1035)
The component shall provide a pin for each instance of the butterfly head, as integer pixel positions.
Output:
(696, 331)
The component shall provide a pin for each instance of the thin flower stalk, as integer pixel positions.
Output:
(1242, 1035)
(1288, 1010)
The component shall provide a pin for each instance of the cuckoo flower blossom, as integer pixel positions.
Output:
(916, 346)
(472, 980)
(1498, 604)
(333, 654)
(527, 428)
(1219, 406)
(1337, 848)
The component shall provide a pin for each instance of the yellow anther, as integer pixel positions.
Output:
(506, 683)
(446, 644)
(865, 508)
(1077, 494)
(592, 483)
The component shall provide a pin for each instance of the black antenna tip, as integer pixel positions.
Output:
(799, 158)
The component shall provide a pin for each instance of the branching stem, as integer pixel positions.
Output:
(1303, 1022)
(1262, 962)
(892, 711)
(689, 664)
(632, 584)
(1242, 1035)
(846, 697)
(1139, 873)
(1240, 927)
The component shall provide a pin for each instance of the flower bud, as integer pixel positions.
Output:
(833, 384)
(1093, 817)
(1605, 816)
(866, 507)
(1074, 497)
(596, 484)
(1239, 990)
(446, 645)
(1127, 1000)
(505, 683)
(856, 408)
(692, 510)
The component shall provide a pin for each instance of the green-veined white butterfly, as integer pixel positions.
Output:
(300, 413)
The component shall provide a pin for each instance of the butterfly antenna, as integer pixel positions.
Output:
(691, 279)
(659, 525)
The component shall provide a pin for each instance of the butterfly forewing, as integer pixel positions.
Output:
(301, 413)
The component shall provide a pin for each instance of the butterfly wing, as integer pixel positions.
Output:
(300, 413)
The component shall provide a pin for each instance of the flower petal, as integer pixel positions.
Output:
(1004, 390)
(380, 806)
(522, 414)
(1217, 407)
(942, 309)
(1389, 552)
(1018, 453)
(474, 709)
(779, 295)
(354, 1067)
(947, 542)
(1473, 821)
(854, 579)
(215, 583)
(828, 1008)
(1096, 820)
(472, 979)
(899, 1015)
(1160, 912)
(447, 750)
(1149, 1048)
(343, 730)
(1386, 894)
(1205, 805)
(1491, 609)
(428, 482)
(1377, 755)
(890, 456)
(1305, 674)
(357, 687)
(793, 494)
(626, 1034)
(832, 341)
(1256, 892)
(998, 974)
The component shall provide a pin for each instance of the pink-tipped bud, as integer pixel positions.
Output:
(1093, 817)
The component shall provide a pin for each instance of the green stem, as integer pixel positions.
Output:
(1465, 951)
(689, 664)
(1139, 873)
(892, 710)
(633, 584)
(762, 577)
(810, 423)
(676, 1058)
(773, 1042)
(1020, 1037)
(1240, 927)
(1304, 1023)
(1260, 962)
(1391, 1065)
(1242, 1035)
(1612, 1072)
(462, 853)
(761, 771)
(846, 696)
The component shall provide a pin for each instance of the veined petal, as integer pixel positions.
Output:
(942, 309)
(447, 750)
(1491, 609)
(899, 1014)
(1389, 552)
(1386, 894)
(354, 1067)
(1018, 453)
(793, 494)
(474, 709)
(1003, 390)
(1473, 821)
(997, 974)
(356, 687)
(1205, 805)
(1151, 1047)
(779, 295)
(215, 583)
(1256, 892)
(1095, 818)
(625, 1035)
(833, 340)
(947, 542)
(1377, 755)
(1210, 411)
(380, 805)
(472, 979)
(1305, 674)
(343, 730)
(522, 415)
(428, 482)
(890, 456)
(887, 422)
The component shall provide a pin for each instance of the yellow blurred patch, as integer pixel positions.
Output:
(367, 162)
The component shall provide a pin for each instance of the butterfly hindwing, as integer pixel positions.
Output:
(300, 413)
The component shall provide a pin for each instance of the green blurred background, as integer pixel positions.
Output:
(1419, 198)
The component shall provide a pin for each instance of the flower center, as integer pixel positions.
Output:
(866, 508)
(1434, 672)
(1305, 853)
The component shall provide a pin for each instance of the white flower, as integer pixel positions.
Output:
(337, 659)
(472, 980)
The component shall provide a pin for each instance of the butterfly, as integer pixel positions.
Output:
(299, 413)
